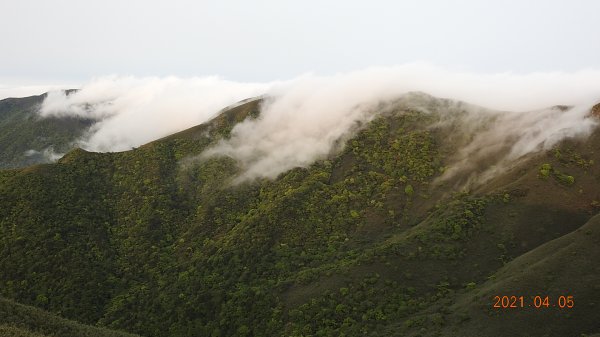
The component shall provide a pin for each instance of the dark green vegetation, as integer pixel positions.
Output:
(27, 139)
(365, 243)
(17, 320)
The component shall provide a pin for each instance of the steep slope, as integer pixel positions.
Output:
(27, 139)
(158, 241)
(18, 320)
(565, 267)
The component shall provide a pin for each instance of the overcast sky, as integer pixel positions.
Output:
(71, 41)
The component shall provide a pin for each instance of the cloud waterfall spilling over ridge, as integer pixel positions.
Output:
(304, 118)
(134, 111)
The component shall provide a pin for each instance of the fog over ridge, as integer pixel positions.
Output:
(133, 111)
(303, 118)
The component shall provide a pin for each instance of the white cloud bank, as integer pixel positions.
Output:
(304, 117)
(134, 111)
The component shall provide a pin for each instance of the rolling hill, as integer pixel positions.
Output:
(370, 241)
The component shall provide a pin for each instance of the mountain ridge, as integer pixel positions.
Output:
(364, 242)
(27, 139)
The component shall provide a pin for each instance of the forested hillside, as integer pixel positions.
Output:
(160, 241)
(27, 139)
(17, 320)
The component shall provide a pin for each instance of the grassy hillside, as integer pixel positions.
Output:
(562, 267)
(365, 243)
(17, 320)
(27, 139)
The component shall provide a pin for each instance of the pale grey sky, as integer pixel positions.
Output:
(71, 41)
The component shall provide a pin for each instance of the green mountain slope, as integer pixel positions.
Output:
(27, 139)
(565, 267)
(157, 241)
(17, 320)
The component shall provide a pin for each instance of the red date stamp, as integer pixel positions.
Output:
(537, 302)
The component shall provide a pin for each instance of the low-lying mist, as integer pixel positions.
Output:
(303, 119)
